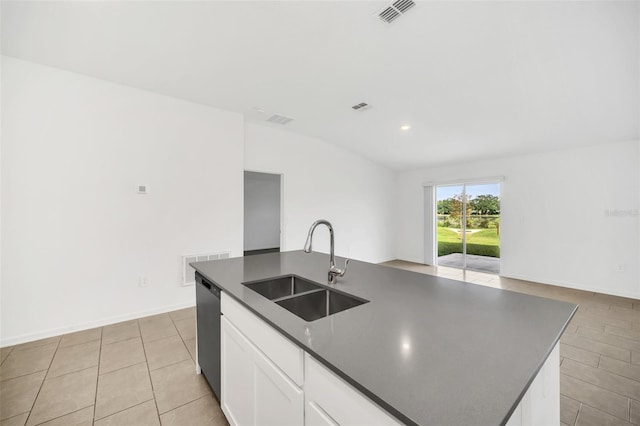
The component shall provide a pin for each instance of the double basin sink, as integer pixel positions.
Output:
(306, 299)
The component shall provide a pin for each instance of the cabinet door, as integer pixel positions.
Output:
(338, 400)
(237, 377)
(254, 390)
(541, 404)
(279, 402)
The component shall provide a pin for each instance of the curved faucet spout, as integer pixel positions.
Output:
(333, 270)
(314, 225)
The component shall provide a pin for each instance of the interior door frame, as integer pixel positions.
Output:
(282, 195)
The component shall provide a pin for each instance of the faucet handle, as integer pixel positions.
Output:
(344, 271)
(340, 272)
(337, 272)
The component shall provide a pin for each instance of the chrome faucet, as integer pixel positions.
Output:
(334, 272)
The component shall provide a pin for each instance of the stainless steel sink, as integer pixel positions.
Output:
(319, 304)
(276, 288)
(306, 299)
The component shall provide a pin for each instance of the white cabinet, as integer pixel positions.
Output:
(329, 400)
(237, 376)
(254, 390)
(540, 406)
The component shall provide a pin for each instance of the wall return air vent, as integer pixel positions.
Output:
(361, 106)
(188, 273)
(393, 11)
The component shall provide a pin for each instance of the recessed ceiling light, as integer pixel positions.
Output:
(260, 110)
(405, 127)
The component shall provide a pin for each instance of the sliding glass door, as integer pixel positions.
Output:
(450, 212)
(468, 226)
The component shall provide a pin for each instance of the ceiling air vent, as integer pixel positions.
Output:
(361, 106)
(394, 10)
(280, 119)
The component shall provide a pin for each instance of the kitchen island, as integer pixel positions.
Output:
(427, 350)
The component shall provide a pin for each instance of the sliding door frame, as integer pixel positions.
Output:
(431, 215)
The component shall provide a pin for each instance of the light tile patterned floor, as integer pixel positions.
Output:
(138, 372)
(600, 350)
(141, 372)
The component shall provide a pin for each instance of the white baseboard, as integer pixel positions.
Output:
(558, 283)
(30, 337)
(410, 259)
(384, 260)
(574, 286)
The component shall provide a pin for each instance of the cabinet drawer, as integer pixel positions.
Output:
(334, 400)
(287, 356)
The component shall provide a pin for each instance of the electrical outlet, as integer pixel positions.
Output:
(143, 281)
(620, 267)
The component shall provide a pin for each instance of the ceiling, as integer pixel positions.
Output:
(473, 79)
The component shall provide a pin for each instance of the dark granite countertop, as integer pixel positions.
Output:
(429, 350)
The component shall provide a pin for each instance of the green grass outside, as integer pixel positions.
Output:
(482, 243)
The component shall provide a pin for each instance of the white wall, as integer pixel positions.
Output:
(261, 211)
(323, 181)
(554, 226)
(75, 235)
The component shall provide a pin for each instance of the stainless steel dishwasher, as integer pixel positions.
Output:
(208, 316)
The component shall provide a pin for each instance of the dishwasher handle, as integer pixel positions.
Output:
(212, 288)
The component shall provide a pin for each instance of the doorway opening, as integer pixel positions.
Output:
(262, 213)
(468, 226)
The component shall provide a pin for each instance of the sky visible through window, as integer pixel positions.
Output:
(446, 192)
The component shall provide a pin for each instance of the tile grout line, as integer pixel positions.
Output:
(66, 414)
(592, 384)
(16, 349)
(595, 353)
(73, 371)
(575, 421)
(620, 375)
(180, 334)
(597, 409)
(602, 343)
(42, 384)
(123, 410)
(187, 349)
(123, 340)
(190, 402)
(146, 361)
(580, 362)
(12, 417)
(170, 365)
(33, 372)
(623, 337)
(24, 375)
(95, 397)
(70, 372)
(81, 343)
(5, 358)
(121, 368)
